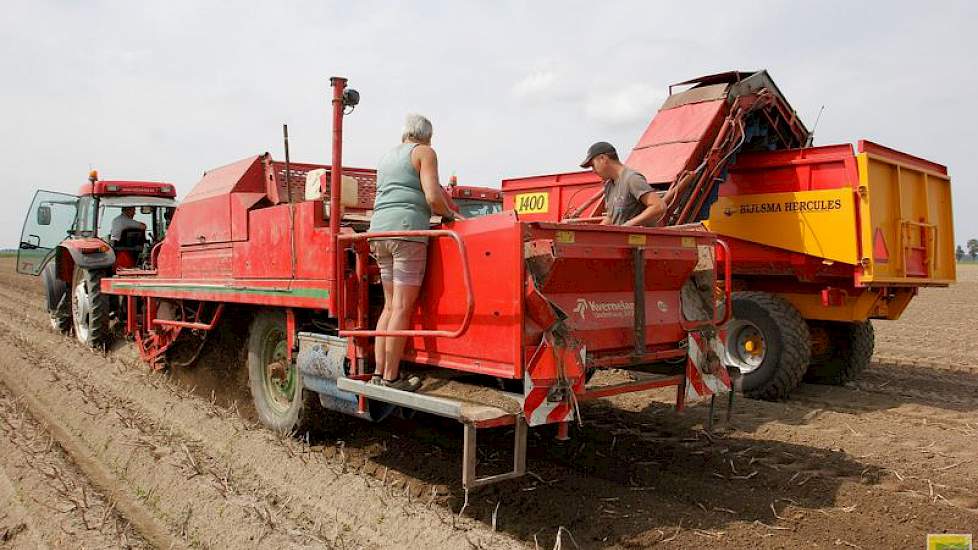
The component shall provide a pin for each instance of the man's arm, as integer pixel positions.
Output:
(654, 207)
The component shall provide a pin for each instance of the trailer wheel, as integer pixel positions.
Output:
(58, 301)
(768, 340)
(89, 308)
(849, 351)
(276, 385)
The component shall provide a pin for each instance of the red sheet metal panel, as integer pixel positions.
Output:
(661, 164)
(267, 254)
(811, 169)
(492, 344)
(601, 307)
(564, 193)
(312, 241)
(676, 139)
(206, 212)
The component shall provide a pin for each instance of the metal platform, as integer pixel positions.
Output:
(472, 416)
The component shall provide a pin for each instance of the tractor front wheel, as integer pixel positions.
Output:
(767, 339)
(275, 382)
(90, 308)
(848, 350)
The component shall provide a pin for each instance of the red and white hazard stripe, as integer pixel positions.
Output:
(538, 410)
(700, 381)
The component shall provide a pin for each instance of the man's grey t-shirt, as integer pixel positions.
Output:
(120, 224)
(623, 196)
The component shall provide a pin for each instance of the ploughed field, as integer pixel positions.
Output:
(97, 452)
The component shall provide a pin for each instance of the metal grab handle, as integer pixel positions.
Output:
(466, 277)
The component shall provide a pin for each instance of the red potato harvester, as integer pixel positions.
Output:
(533, 307)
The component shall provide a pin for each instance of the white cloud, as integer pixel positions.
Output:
(536, 85)
(631, 104)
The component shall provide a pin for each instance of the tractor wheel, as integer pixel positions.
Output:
(276, 385)
(90, 308)
(767, 339)
(58, 300)
(849, 351)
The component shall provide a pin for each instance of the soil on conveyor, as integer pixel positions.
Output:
(97, 451)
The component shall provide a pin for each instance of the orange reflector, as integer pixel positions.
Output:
(880, 252)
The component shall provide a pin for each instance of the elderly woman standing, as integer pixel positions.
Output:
(407, 194)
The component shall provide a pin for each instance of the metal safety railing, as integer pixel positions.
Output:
(435, 233)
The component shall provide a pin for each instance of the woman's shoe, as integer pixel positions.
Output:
(410, 383)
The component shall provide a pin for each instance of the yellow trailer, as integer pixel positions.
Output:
(825, 239)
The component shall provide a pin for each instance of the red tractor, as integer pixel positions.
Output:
(68, 240)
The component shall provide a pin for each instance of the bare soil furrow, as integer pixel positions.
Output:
(57, 495)
(268, 475)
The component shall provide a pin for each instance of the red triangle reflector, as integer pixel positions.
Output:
(880, 252)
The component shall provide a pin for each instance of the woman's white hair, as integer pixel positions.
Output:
(417, 129)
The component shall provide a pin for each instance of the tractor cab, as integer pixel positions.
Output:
(68, 240)
(473, 202)
(84, 222)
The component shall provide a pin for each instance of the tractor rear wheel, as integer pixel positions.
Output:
(849, 350)
(275, 382)
(90, 308)
(58, 301)
(767, 339)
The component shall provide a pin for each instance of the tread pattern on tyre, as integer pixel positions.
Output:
(854, 359)
(60, 309)
(795, 345)
(98, 315)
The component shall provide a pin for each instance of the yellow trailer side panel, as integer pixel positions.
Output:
(906, 226)
(819, 223)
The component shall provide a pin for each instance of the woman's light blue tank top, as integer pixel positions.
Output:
(400, 203)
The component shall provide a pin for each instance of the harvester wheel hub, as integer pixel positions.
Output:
(746, 347)
(280, 376)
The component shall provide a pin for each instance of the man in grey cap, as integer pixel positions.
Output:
(628, 198)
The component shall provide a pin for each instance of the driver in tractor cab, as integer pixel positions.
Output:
(127, 236)
(628, 198)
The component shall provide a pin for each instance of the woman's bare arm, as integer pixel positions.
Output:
(426, 161)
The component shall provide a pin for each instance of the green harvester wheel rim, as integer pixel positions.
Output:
(279, 376)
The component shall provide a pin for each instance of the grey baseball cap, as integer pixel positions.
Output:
(599, 148)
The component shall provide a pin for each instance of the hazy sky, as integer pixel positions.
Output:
(168, 90)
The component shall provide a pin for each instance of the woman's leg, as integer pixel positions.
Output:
(380, 342)
(402, 306)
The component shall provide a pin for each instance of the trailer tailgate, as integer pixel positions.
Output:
(906, 226)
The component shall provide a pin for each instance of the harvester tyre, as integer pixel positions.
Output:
(784, 340)
(276, 386)
(851, 353)
(90, 308)
(58, 303)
